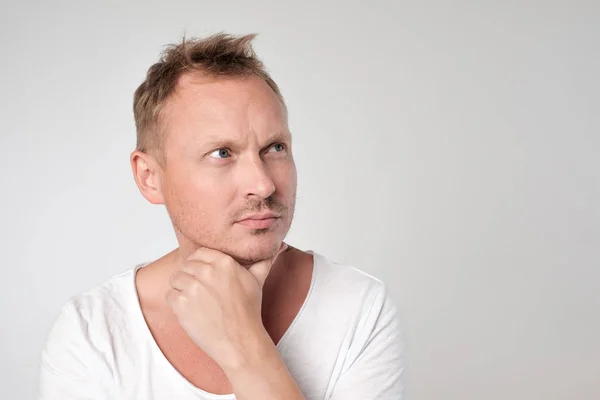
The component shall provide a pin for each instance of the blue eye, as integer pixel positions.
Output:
(278, 147)
(220, 153)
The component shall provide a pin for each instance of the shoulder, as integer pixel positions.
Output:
(346, 299)
(368, 319)
(347, 281)
(348, 295)
(86, 320)
(106, 301)
(365, 296)
(78, 353)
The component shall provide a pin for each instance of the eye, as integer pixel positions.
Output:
(220, 153)
(279, 147)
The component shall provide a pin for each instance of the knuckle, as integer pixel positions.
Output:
(180, 304)
(173, 299)
(173, 279)
(194, 288)
(230, 263)
(206, 272)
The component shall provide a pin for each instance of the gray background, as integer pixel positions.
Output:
(450, 148)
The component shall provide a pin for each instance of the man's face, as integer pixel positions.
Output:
(229, 167)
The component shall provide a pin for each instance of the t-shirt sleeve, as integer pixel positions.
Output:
(374, 367)
(70, 369)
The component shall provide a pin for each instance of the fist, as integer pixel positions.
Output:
(218, 303)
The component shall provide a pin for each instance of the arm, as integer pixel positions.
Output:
(374, 368)
(262, 375)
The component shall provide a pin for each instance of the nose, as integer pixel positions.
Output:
(256, 180)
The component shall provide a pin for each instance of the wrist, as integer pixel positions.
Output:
(257, 350)
(262, 374)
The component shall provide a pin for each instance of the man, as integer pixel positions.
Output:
(233, 312)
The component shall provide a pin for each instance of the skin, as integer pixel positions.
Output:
(218, 303)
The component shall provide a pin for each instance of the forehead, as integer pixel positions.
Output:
(200, 103)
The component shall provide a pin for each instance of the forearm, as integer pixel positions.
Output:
(263, 375)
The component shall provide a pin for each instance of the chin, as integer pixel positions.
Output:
(255, 248)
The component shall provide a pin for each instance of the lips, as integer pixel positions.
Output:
(260, 215)
(260, 220)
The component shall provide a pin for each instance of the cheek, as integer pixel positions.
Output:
(196, 195)
(191, 209)
(286, 179)
(181, 189)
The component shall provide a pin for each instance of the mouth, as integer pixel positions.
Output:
(262, 220)
(258, 223)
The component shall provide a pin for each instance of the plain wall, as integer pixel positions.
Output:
(451, 149)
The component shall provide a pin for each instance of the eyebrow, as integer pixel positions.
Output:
(214, 141)
(281, 136)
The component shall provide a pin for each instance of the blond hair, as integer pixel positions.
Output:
(218, 55)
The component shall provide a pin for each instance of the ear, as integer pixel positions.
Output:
(147, 174)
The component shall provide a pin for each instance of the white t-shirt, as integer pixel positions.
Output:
(344, 344)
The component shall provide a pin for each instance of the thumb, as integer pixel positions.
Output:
(261, 269)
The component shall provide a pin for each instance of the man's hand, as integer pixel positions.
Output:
(218, 303)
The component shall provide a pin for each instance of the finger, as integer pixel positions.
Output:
(172, 297)
(207, 255)
(284, 246)
(182, 281)
(198, 269)
(261, 269)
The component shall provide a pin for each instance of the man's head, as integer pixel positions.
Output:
(214, 147)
